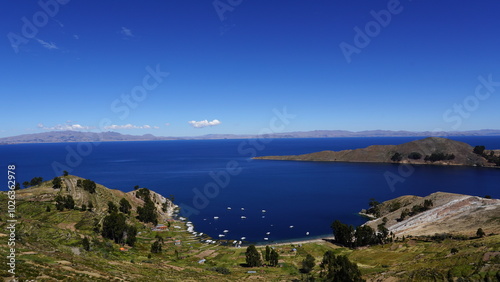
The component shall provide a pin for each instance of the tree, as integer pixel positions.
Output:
(143, 193)
(65, 173)
(56, 183)
(480, 233)
(308, 263)
(404, 214)
(86, 244)
(69, 203)
(487, 197)
(59, 202)
(47, 209)
(365, 235)
(79, 183)
(343, 233)
(66, 202)
(252, 256)
(454, 251)
(136, 187)
(125, 206)
(397, 157)
(374, 207)
(274, 258)
(114, 227)
(26, 184)
(428, 204)
(156, 247)
(415, 156)
(479, 150)
(36, 181)
(18, 186)
(84, 207)
(131, 235)
(147, 213)
(339, 268)
(112, 207)
(383, 231)
(89, 186)
(267, 255)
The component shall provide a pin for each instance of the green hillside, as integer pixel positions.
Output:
(50, 246)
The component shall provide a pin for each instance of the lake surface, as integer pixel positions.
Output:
(208, 176)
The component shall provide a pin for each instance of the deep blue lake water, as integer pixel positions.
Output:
(305, 195)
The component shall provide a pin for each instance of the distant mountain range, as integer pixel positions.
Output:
(79, 136)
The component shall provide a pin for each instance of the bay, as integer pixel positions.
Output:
(305, 195)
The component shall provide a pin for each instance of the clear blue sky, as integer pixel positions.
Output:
(72, 70)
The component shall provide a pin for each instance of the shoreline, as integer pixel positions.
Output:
(315, 239)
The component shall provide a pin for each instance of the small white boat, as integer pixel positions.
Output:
(267, 233)
(263, 216)
(242, 209)
(263, 210)
(216, 217)
(228, 208)
(243, 217)
(291, 226)
(307, 233)
(225, 231)
(221, 235)
(243, 238)
(266, 239)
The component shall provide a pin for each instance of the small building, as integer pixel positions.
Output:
(160, 227)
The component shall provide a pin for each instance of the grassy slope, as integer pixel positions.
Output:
(49, 248)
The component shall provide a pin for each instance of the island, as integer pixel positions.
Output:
(431, 150)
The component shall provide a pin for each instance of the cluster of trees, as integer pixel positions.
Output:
(146, 213)
(254, 259)
(438, 156)
(271, 256)
(34, 181)
(333, 268)
(142, 193)
(397, 157)
(480, 150)
(416, 209)
(415, 156)
(87, 185)
(114, 227)
(339, 268)
(64, 202)
(348, 236)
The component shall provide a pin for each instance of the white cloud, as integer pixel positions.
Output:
(204, 123)
(130, 126)
(127, 32)
(65, 127)
(167, 124)
(47, 45)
